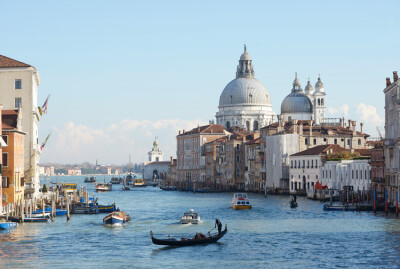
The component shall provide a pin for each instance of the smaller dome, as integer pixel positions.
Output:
(245, 57)
(296, 102)
(319, 86)
(308, 89)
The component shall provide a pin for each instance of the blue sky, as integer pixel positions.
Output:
(122, 72)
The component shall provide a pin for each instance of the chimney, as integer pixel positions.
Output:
(343, 123)
(354, 123)
(172, 160)
(311, 123)
(349, 124)
(301, 128)
(361, 127)
(388, 83)
(179, 131)
(395, 77)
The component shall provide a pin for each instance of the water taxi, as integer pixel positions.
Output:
(116, 218)
(240, 201)
(138, 183)
(68, 187)
(190, 217)
(103, 187)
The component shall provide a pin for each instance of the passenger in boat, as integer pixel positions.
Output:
(219, 224)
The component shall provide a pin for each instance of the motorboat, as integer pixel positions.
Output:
(138, 183)
(198, 239)
(90, 179)
(126, 188)
(7, 225)
(85, 209)
(103, 187)
(40, 215)
(240, 201)
(107, 208)
(115, 180)
(190, 217)
(116, 218)
(18, 219)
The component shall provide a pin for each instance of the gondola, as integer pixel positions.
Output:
(293, 204)
(188, 241)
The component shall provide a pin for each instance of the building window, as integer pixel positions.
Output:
(255, 126)
(312, 163)
(228, 125)
(316, 163)
(292, 185)
(18, 84)
(352, 174)
(237, 147)
(295, 185)
(308, 163)
(5, 159)
(237, 159)
(316, 177)
(335, 141)
(5, 182)
(5, 139)
(18, 102)
(306, 141)
(308, 185)
(304, 163)
(315, 141)
(322, 101)
(319, 101)
(359, 142)
(248, 125)
(348, 142)
(291, 164)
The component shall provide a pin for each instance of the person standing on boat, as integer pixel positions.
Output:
(219, 224)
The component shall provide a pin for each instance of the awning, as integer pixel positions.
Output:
(2, 143)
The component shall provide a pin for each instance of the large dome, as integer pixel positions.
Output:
(244, 91)
(296, 102)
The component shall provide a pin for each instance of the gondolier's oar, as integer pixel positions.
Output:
(211, 230)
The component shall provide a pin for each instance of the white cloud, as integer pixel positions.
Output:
(342, 111)
(368, 115)
(112, 145)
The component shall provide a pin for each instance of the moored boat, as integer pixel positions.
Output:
(85, 209)
(138, 183)
(7, 225)
(115, 180)
(345, 207)
(116, 218)
(103, 187)
(59, 212)
(196, 240)
(90, 179)
(190, 217)
(107, 208)
(240, 201)
(18, 219)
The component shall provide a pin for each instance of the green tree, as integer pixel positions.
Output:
(44, 189)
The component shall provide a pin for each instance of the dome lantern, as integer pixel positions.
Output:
(245, 68)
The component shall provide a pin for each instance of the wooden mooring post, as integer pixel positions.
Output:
(67, 208)
(53, 209)
(21, 205)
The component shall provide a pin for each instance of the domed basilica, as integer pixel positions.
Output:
(246, 102)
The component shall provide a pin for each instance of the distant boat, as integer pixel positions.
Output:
(345, 207)
(103, 187)
(240, 201)
(116, 218)
(7, 225)
(190, 217)
(90, 179)
(126, 188)
(196, 240)
(138, 183)
(115, 180)
(293, 204)
(129, 179)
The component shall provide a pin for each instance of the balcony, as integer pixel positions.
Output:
(378, 180)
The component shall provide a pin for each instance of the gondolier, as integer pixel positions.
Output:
(219, 224)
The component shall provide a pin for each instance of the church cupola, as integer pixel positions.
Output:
(319, 86)
(296, 85)
(245, 68)
(308, 89)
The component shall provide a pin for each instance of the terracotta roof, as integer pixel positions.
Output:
(254, 141)
(206, 129)
(158, 163)
(8, 62)
(320, 150)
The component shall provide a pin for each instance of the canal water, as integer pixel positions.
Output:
(271, 235)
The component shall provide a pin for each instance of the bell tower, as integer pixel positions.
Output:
(155, 155)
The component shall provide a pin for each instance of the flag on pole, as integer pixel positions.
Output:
(44, 106)
(45, 141)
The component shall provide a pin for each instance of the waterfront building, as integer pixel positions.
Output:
(254, 172)
(392, 136)
(155, 168)
(2, 144)
(191, 154)
(309, 105)
(337, 173)
(245, 101)
(19, 84)
(215, 164)
(285, 138)
(13, 157)
(378, 166)
(74, 172)
(304, 170)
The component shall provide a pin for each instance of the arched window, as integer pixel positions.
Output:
(248, 125)
(319, 101)
(335, 141)
(228, 125)
(255, 126)
(306, 141)
(312, 163)
(359, 142)
(322, 101)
